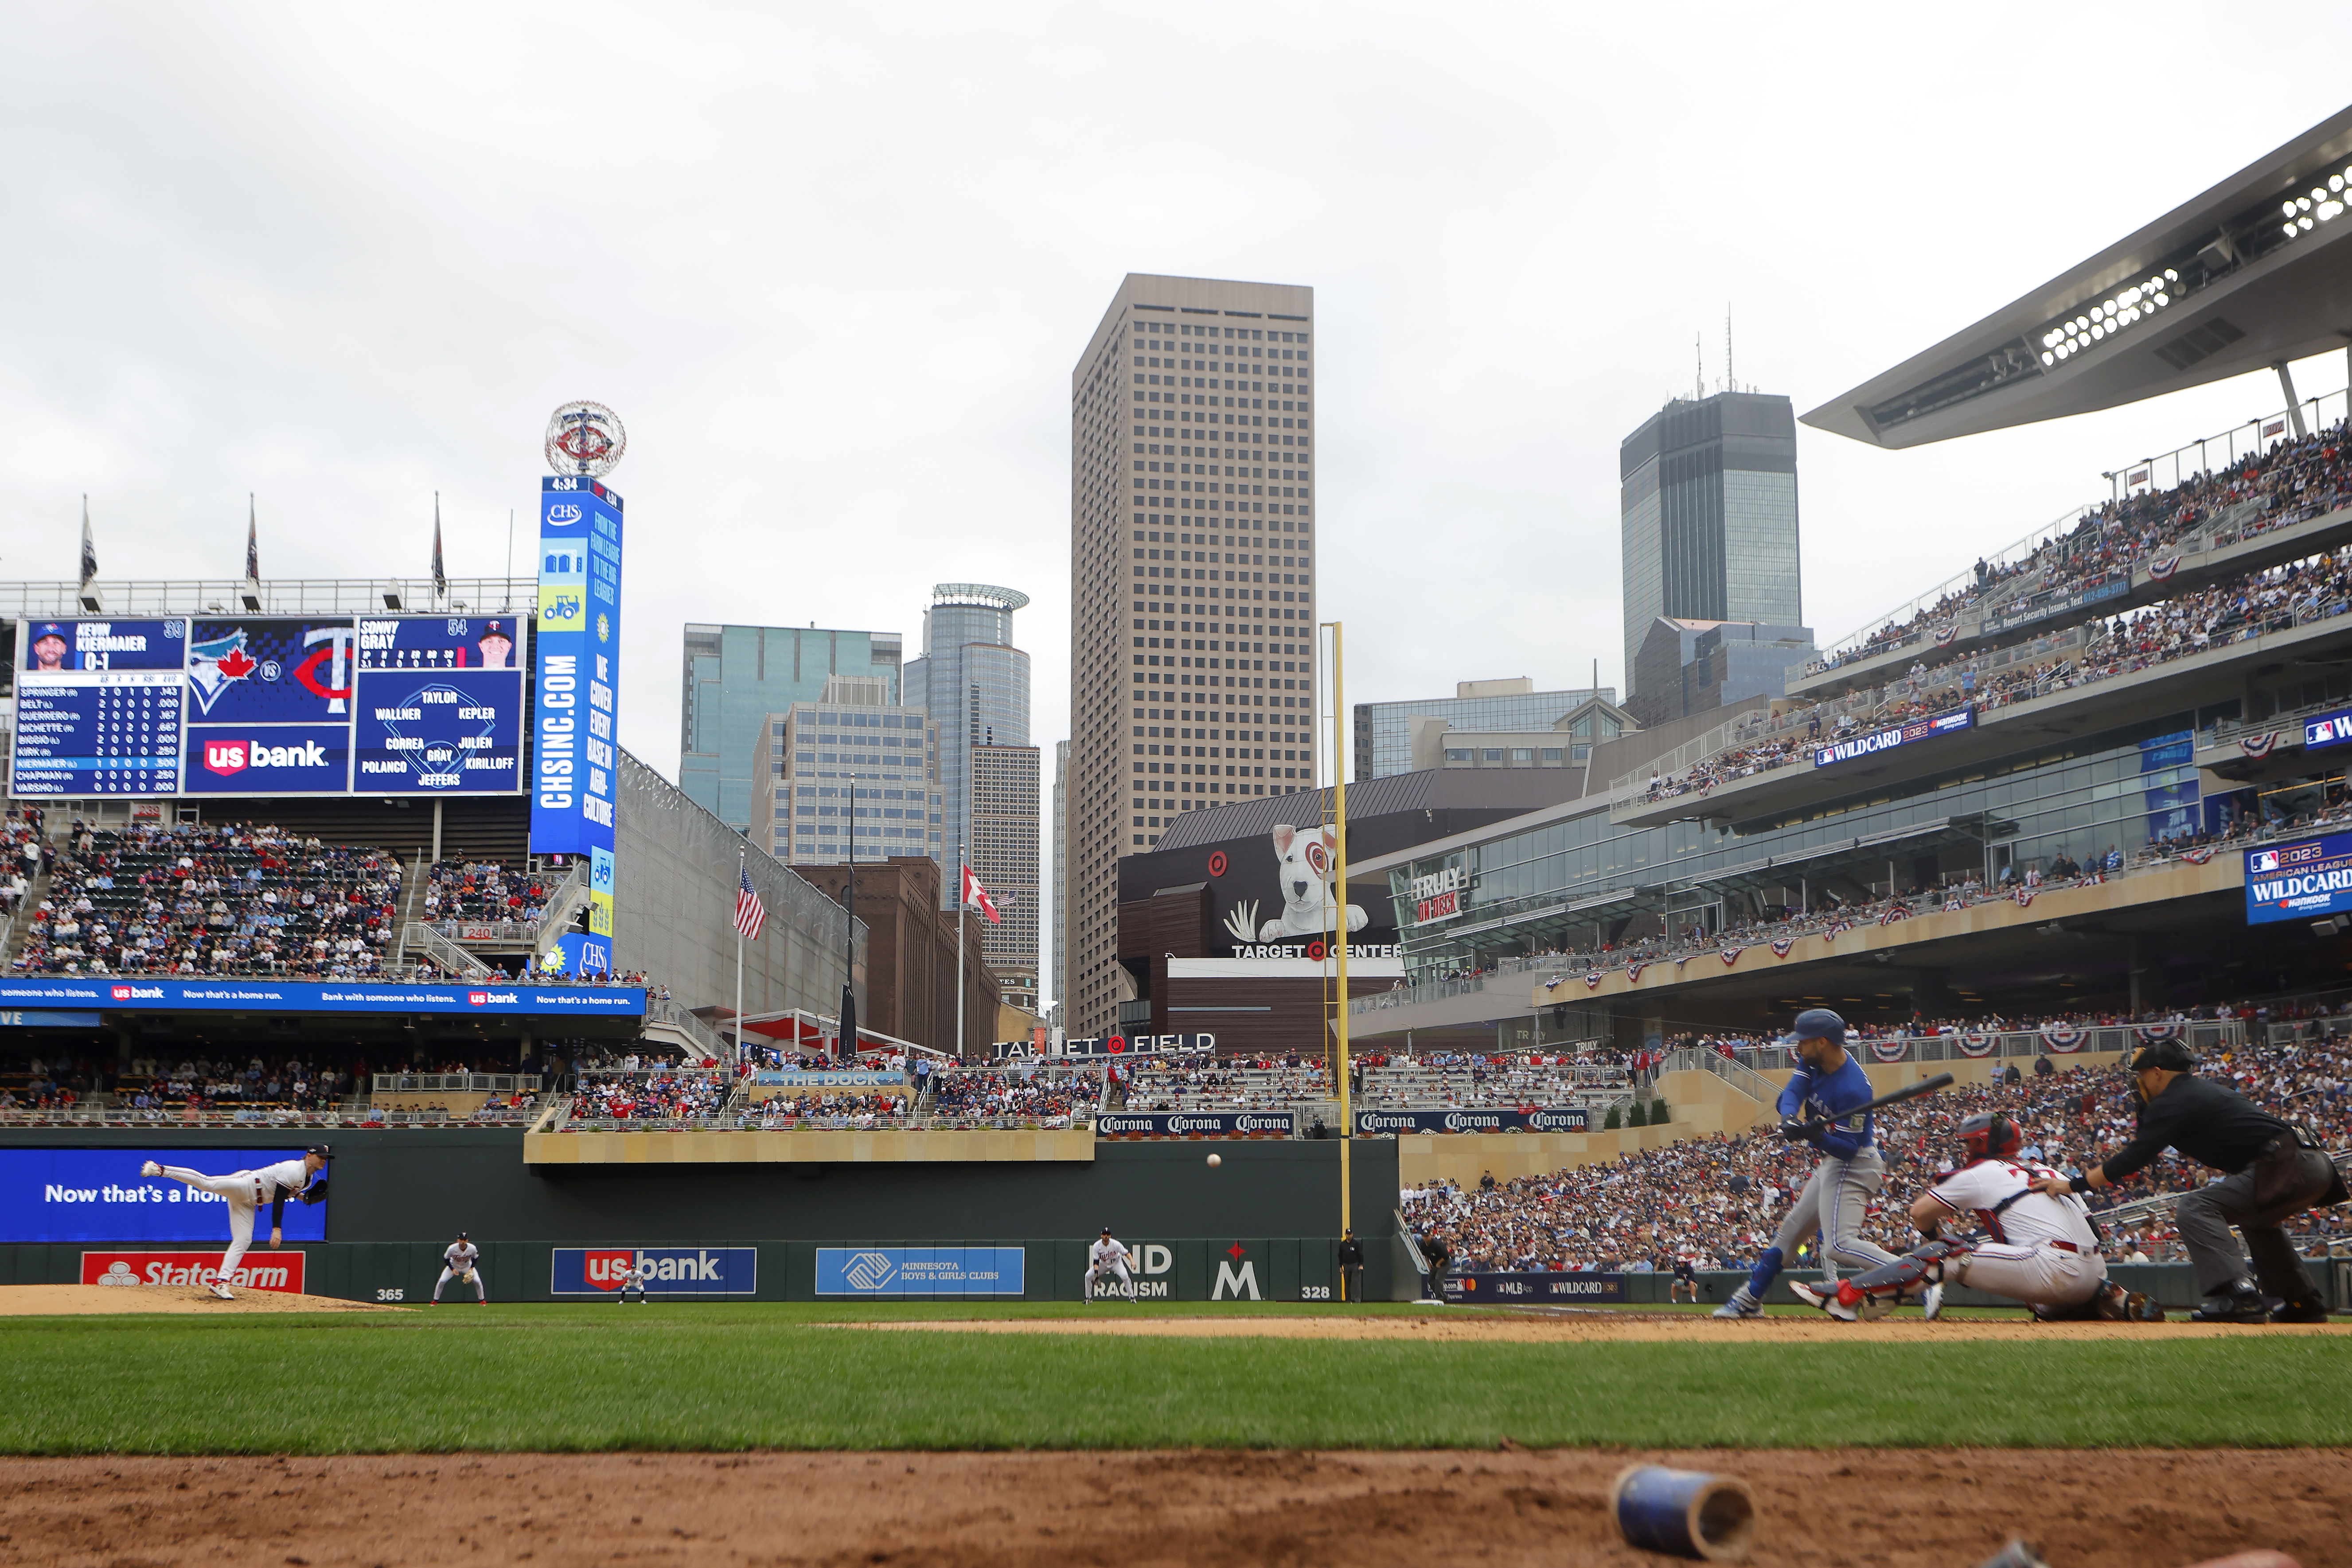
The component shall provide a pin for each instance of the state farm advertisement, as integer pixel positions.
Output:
(259, 1271)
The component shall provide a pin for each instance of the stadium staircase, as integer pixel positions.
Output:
(674, 1028)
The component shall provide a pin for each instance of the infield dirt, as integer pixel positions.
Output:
(1914, 1509)
(101, 1300)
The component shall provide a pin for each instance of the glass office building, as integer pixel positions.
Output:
(850, 772)
(736, 677)
(975, 685)
(1383, 731)
(1707, 505)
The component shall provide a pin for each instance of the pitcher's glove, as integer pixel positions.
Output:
(316, 1193)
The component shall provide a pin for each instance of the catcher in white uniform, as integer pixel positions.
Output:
(246, 1191)
(461, 1261)
(1107, 1256)
(2038, 1249)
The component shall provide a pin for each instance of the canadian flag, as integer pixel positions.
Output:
(975, 897)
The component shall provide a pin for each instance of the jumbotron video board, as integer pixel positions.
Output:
(262, 705)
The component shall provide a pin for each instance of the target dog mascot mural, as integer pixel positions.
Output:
(1308, 907)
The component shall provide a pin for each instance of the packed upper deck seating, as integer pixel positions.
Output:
(2293, 482)
(2190, 623)
(1717, 1200)
(220, 899)
(462, 892)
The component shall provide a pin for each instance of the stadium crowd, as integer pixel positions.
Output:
(1716, 1200)
(220, 899)
(2192, 623)
(461, 892)
(2295, 481)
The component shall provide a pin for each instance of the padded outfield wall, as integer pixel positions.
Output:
(399, 1195)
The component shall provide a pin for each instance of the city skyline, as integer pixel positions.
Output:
(815, 404)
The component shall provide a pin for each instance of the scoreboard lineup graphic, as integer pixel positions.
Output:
(264, 705)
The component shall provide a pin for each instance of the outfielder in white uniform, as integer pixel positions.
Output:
(461, 1261)
(247, 1191)
(1107, 1256)
(2037, 1247)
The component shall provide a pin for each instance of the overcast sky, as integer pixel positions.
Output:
(833, 267)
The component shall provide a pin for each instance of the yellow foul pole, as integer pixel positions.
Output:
(1341, 933)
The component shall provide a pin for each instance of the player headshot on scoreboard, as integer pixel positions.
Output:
(50, 647)
(496, 647)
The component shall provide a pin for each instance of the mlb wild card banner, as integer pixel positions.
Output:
(576, 682)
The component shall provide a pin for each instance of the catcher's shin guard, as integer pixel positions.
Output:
(1922, 1265)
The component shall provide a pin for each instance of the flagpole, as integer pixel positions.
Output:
(742, 874)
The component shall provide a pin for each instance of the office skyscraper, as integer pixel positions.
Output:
(1192, 582)
(1707, 501)
(1060, 981)
(975, 684)
(850, 761)
(735, 677)
(1004, 846)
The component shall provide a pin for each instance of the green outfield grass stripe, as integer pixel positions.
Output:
(587, 1379)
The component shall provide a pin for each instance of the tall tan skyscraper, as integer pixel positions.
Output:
(1191, 583)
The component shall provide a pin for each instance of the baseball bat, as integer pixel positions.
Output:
(1908, 1091)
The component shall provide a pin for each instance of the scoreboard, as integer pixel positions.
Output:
(270, 705)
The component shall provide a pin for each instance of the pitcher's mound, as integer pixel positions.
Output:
(93, 1300)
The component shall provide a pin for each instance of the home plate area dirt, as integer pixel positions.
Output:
(1950, 1509)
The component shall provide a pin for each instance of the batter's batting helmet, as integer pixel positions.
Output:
(1820, 1023)
(1990, 1136)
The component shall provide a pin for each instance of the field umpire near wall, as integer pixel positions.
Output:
(2272, 1172)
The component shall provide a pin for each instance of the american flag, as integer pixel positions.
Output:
(751, 914)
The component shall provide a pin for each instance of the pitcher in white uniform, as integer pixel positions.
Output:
(246, 1192)
(1107, 1256)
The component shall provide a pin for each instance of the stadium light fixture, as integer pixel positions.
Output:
(2126, 306)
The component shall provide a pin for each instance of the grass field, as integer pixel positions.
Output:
(592, 1377)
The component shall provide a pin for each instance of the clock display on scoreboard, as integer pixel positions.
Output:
(260, 705)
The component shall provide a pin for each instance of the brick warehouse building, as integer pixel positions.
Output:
(910, 953)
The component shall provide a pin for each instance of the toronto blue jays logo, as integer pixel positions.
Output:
(216, 666)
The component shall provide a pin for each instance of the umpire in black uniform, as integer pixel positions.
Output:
(1351, 1268)
(2273, 1171)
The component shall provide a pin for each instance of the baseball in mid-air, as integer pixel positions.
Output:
(1215, 1161)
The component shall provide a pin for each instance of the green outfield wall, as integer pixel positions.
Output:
(399, 1195)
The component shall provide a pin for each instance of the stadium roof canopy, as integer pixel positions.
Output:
(2253, 272)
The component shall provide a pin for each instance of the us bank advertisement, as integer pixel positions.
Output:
(576, 674)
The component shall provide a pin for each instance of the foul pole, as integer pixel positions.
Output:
(1340, 931)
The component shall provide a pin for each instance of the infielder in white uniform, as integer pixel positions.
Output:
(1107, 1256)
(247, 1191)
(461, 1261)
(2039, 1249)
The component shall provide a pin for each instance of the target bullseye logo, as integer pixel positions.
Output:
(1217, 863)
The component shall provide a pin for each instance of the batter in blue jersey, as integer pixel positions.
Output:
(1836, 1198)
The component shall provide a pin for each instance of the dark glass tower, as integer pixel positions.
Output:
(1707, 502)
